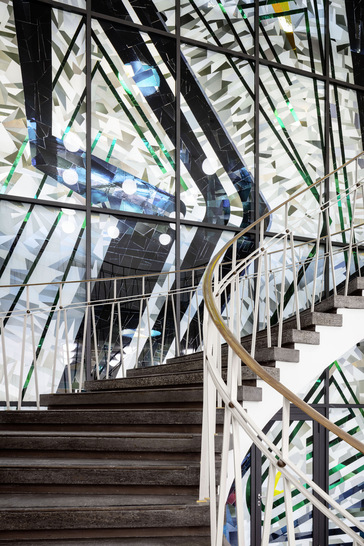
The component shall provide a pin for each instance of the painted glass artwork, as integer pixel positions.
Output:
(228, 24)
(159, 14)
(291, 144)
(40, 244)
(345, 464)
(346, 469)
(46, 137)
(293, 33)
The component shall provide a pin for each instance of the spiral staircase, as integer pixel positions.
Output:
(148, 459)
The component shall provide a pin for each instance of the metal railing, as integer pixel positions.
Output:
(57, 333)
(281, 284)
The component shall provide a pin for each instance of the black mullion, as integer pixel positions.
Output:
(88, 234)
(177, 185)
(328, 131)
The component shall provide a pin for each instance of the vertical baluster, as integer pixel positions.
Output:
(164, 322)
(140, 322)
(267, 300)
(331, 255)
(56, 346)
(223, 477)
(283, 287)
(357, 253)
(303, 265)
(295, 286)
(121, 342)
(286, 482)
(22, 357)
(242, 292)
(150, 334)
(320, 220)
(239, 493)
(110, 339)
(199, 319)
(323, 277)
(67, 351)
(175, 323)
(83, 346)
(35, 361)
(95, 342)
(189, 313)
(256, 301)
(268, 505)
(350, 244)
(5, 364)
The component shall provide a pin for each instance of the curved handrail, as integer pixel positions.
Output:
(235, 344)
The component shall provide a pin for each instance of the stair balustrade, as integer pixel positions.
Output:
(53, 335)
(285, 282)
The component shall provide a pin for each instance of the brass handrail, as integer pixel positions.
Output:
(235, 344)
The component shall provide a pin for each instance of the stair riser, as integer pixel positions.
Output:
(180, 536)
(104, 420)
(49, 427)
(99, 476)
(115, 518)
(111, 445)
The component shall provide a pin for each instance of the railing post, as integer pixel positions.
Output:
(5, 364)
(351, 240)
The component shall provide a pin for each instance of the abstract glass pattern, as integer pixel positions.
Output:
(127, 247)
(227, 24)
(40, 245)
(133, 109)
(51, 121)
(293, 33)
(221, 135)
(347, 377)
(346, 469)
(153, 13)
(291, 144)
(300, 442)
(341, 59)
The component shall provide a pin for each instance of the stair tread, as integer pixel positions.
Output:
(12, 501)
(190, 539)
(78, 434)
(10, 462)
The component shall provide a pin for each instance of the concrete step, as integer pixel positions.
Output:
(142, 515)
(321, 319)
(137, 420)
(355, 286)
(183, 540)
(340, 302)
(148, 381)
(108, 444)
(262, 354)
(114, 388)
(181, 397)
(247, 374)
(89, 472)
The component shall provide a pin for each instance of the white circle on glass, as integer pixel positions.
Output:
(70, 176)
(210, 166)
(129, 186)
(164, 239)
(113, 232)
(72, 142)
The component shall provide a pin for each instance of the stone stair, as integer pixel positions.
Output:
(120, 462)
(119, 465)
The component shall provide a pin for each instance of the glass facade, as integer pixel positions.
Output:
(138, 136)
(337, 394)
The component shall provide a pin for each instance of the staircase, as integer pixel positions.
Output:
(116, 465)
(120, 462)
